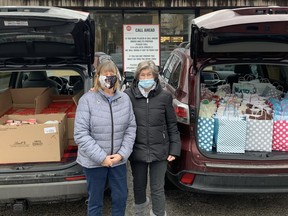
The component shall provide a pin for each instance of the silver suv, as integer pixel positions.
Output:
(43, 47)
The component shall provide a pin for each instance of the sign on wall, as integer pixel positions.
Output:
(140, 42)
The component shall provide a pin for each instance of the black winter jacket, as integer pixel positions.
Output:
(157, 134)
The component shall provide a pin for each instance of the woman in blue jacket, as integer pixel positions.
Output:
(105, 131)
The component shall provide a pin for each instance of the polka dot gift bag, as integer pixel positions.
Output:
(205, 127)
(259, 132)
(280, 130)
(205, 133)
(280, 135)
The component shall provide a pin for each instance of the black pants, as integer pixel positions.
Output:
(157, 172)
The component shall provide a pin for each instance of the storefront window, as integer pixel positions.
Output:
(108, 39)
(141, 17)
(175, 31)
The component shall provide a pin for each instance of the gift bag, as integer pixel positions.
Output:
(230, 134)
(259, 135)
(206, 94)
(226, 88)
(280, 135)
(262, 85)
(248, 77)
(243, 87)
(205, 131)
(272, 91)
(207, 108)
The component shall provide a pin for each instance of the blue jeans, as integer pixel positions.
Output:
(96, 182)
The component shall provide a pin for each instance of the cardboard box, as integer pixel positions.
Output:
(22, 98)
(73, 99)
(33, 143)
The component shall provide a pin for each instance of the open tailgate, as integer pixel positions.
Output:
(45, 34)
(250, 32)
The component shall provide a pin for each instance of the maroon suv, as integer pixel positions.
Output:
(235, 74)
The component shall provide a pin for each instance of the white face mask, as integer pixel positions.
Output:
(107, 81)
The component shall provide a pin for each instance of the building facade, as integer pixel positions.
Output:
(172, 16)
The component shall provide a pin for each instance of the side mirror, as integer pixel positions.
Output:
(159, 69)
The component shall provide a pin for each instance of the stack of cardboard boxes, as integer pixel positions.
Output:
(44, 141)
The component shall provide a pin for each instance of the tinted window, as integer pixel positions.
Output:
(4, 80)
(21, 37)
(174, 77)
(168, 68)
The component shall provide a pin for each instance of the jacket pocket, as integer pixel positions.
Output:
(165, 138)
(165, 142)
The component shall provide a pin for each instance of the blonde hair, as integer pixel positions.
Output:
(147, 64)
(106, 65)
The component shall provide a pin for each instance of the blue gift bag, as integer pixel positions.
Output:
(205, 131)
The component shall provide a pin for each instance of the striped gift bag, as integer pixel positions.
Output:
(230, 130)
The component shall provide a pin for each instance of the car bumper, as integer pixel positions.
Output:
(43, 192)
(242, 183)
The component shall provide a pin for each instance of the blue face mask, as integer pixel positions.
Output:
(147, 83)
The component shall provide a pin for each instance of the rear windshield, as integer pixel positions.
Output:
(252, 37)
(15, 37)
(216, 39)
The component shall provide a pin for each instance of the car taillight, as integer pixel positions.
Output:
(187, 178)
(75, 178)
(182, 111)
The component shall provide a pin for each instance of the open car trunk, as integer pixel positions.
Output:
(243, 98)
(243, 112)
(37, 125)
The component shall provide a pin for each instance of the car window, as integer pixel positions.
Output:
(167, 68)
(170, 64)
(4, 80)
(64, 82)
(18, 38)
(174, 77)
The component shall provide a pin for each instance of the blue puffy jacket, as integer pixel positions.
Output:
(103, 128)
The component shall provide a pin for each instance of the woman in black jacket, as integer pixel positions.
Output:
(157, 140)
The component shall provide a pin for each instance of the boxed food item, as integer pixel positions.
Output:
(25, 141)
(62, 104)
(23, 101)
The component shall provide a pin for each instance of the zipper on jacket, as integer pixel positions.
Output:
(147, 131)
(112, 133)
